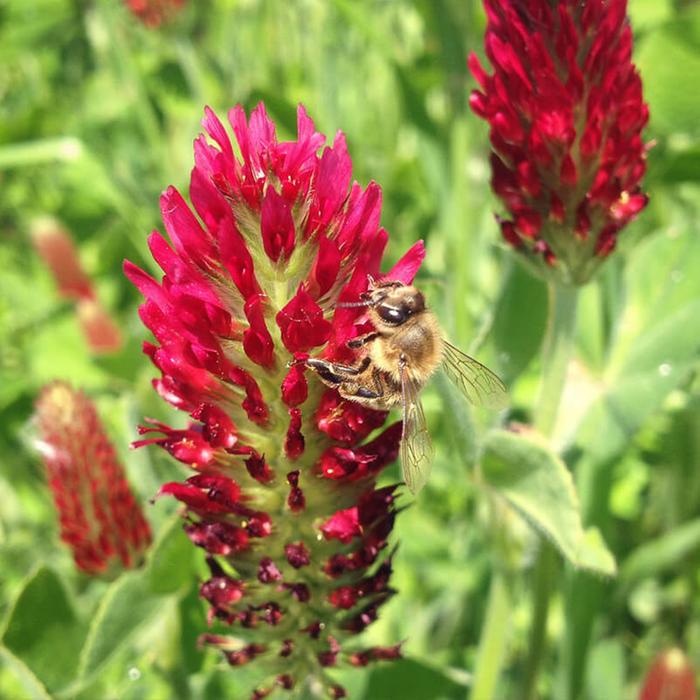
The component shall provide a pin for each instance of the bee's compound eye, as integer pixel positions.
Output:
(392, 315)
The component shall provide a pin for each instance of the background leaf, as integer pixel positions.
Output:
(43, 631)
(407, 678)
(538, 485)
(127, 604)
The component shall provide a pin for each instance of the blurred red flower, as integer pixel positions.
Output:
(670, 677)
(99, 517)
(58, 251)
(283, 496)
(566, 112)
(154, 12)
(56, 248)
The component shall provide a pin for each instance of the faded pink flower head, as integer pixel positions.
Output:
(154, 12)
(282, 496)
(566, 112)
(99, 517)
(670, 677)
(101, 333)
(56, 248)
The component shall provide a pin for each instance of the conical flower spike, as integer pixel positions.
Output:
(282, 493)
(566, 112)
(99, 517)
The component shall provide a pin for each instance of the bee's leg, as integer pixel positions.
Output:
(335, 374)
(325, 371)
(378, 385)
(350, 389)
(364, 393)
(353, 371)
(353, 390)
(362, 340)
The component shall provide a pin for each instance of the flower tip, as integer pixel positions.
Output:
(166, 197)
(407, 267)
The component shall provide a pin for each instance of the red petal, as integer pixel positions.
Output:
(277, 226)
(294, 386)
(257, 341)
(302, 323)
(407, 267)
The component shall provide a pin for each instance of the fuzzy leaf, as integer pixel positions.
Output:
(43, 631)
(408, 678)
(537, 484)
(127, 604)
(170, 561)
(519, 322)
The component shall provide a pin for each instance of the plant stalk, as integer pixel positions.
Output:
(557, 350)
(493, 641)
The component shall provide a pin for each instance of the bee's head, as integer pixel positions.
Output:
(392, 303)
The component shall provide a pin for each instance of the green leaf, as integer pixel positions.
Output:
(520, 319)
(170, 562)
(594, 554)
(661, 358)
(674, 167)
(666, 63)
(34, 688)
(43, 631)
(537, 484)
(192, 613)
(665, 553)
(126, 605)
(408, 678)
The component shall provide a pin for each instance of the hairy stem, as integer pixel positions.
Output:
(556, 353)
(494, 637)
(557, 350)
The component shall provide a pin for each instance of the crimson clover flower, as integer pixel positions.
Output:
(154, 12)
(669, 677)
(282, 495)
(99, 517)
(566, 112)
(59, 253)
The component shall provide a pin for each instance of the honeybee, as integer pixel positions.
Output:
(402, 352)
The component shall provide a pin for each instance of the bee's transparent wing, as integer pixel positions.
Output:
(416, 446)
(478, 383)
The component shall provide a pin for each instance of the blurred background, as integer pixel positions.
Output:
(98, 111)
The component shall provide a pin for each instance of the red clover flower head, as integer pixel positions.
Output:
(670, 677)
(54, 245)
(154, 12)
(282, 495)
(100, 519)
(566, 112)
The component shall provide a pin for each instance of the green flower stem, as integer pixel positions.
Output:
(557, 351)
(544, 573)
(494, 637)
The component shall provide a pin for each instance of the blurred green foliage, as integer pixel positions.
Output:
(97, 116)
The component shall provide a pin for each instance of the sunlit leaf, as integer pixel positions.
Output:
(411, 679)
(539, 486)
(127, 604)
(43, 631)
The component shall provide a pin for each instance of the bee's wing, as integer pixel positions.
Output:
(416, 446)
(478, 383)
